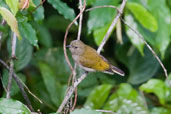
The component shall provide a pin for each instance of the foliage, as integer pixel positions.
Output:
(41, 64)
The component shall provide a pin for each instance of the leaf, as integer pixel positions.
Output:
(39, 12)
(9, 106)
(85, 111)
(63, 9)
(98, 96)
(23, 53)
(160, 110)
(136, 41)
(10, 19)
(100, 33)
(28, 32)
(126, 101)
(50, 82)
(162, 37)
(58, 23)
(157, 87)
(98, 18)
(90, 2)
(44, 35)
(140, 68)
(3, 4)
(143, 16)
(57, 57)
(13, 4)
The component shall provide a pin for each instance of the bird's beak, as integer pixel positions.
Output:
(68, 46)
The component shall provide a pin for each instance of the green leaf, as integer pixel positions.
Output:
(28, 32)
(100, 33)
(162, 37)
(14, 87)
(157, 87)
(160, 110)
(143, 16)
(3, 4)
(44, 35)
(39, 12)
(57, 57)
(8, 106)
(136, 41)
(98, 96)
(126, 101)
(85, 111)
(55, 90)
(58, 23)
(63, 9)
(90, 2)
(140, 68)
(13, 4)
(10, 19)
(23, 53)
(98, 18)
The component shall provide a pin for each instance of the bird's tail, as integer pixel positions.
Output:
(117, 70)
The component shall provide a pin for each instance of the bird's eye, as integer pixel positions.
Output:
(75, 47)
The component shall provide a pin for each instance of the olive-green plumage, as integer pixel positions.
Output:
(87, 58)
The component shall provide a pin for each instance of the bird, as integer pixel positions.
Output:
(88, 59)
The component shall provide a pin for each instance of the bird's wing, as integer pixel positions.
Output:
(94, 61)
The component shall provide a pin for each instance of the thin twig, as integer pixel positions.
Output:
(66, 34)
(73, 81)
(75, 65)
(83, 76)
(104, 6)
(28, 90)
(112, 26)
(13, 48)
(19, 85)
(142, 94)
(2, 83)
(2, 23)
(149, 47)
(73, 74)
(106, 111)
(80, 20)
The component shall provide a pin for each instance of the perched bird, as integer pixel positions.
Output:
(88, 59)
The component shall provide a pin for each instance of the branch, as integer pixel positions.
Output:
(83, 76)
(70, 92)
(19, 85)
(104, 6)
(80, 20)
(112, 26)
(14, 39)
